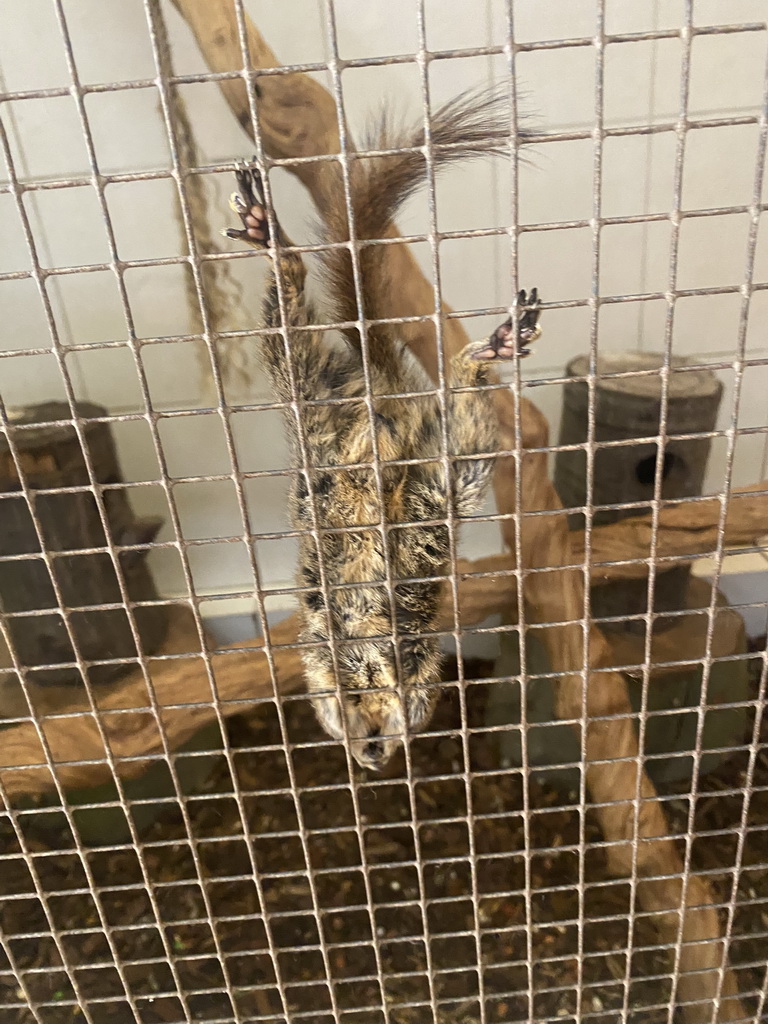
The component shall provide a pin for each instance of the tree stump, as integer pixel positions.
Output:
(50, 457)
(628, 408)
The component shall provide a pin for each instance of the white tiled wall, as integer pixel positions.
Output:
(641, 86)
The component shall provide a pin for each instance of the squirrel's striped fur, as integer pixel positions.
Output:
(383, 691)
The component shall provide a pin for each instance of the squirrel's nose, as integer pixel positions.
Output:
(373, 751)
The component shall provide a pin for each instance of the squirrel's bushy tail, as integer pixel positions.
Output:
(474, 124)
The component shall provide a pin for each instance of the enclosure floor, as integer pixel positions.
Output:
(499, 841)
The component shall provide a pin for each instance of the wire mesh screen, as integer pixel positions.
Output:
(579, 832)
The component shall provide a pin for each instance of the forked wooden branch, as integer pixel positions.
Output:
(642, 842)
(183, 694)
(486, 587)
(298, 118)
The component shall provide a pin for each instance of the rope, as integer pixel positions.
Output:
(222, 291)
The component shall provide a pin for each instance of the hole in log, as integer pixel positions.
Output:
(646, 468)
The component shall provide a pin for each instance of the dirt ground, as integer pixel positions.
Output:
(374, 928)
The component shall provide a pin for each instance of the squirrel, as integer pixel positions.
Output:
(382, 683)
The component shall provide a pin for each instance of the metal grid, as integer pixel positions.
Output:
(432, 1003)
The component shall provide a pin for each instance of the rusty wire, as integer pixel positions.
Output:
(432, 1007)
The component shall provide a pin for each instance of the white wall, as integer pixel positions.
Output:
(642, 86)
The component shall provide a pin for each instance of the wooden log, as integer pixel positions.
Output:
(299, 119)
(50, 457)
(630, 408)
